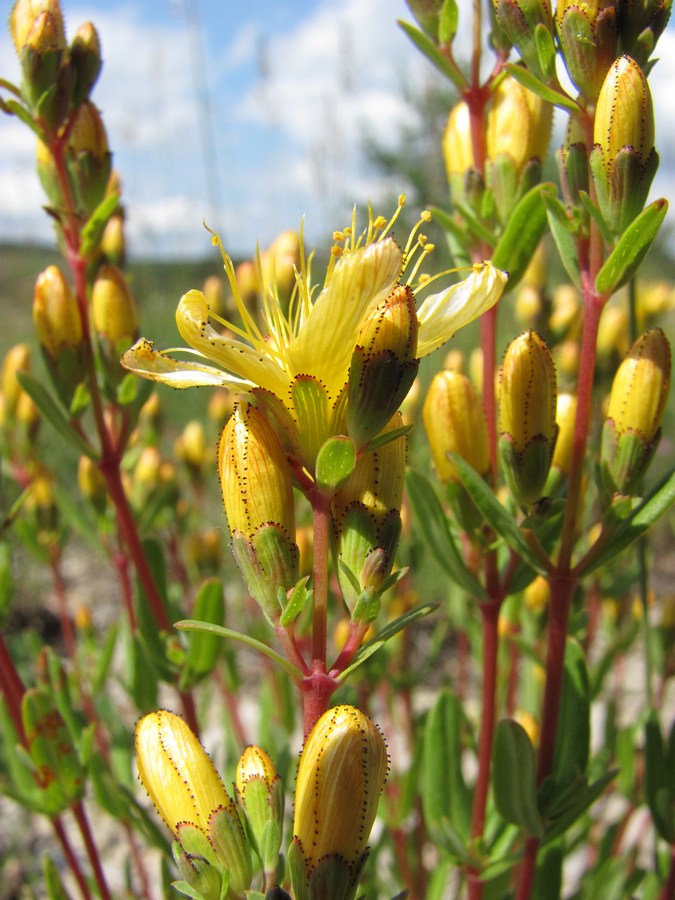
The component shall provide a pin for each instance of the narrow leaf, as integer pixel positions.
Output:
(498, 517)
(522, 234)
(49, 409)
(427, 47)
(563, 237)
(623, 261)
(513, 778)
(437, 534)
(532, 83)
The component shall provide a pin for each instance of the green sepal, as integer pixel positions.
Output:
(270, 843)
(438, 537)
(386, 634)
(660, 777)
(268, 560)
(585, 48)
(226, 834)
(378, 384)
(301, 595)
(202, 879)
(534, 84)
(51, 411)
(445, 795)
(523, 232)
(573, 736)
(572, 160)
(498, 517)
(195, 843)
(335, 463)
(313, 415)
(625, 258)
(333, 877)
(427, 47)
(526, 471)
(562, 230)
(296, 869)
(625, 459)
(94, 227)
(59, 772)
(203, 648)
(90, 175)
(594, 212)
(514, 777)
(619, 534)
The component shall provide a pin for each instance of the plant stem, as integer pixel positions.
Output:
(12, 688)
(321, 523)
(92, 849)
(71, 859)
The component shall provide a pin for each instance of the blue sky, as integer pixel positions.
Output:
(248, 115)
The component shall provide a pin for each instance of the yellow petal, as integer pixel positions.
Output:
(144, 360)
(361, 280)
(441, 315)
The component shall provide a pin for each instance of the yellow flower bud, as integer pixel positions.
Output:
(254, 476)
(17, 359)
(457, 146)
(527, 409)
(537, 594)
(175, 770)
(113, 242)
(518, 124)
(566, 314)
(623, 160)
(566, 413)
(88, 157)
(527, 397)
(191, 446)
(55, 313)
(281, 260)
(454, 422)
(613, 332)
(260, 795)
(342, 770)
(113, 309)
(85, 59)
(220, 406)
(91, 482)
(213, 292)
(88, 134)
(640, 387)
(37, 24)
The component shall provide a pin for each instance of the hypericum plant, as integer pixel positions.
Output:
(481, 625)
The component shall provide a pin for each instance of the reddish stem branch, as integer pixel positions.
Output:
(71, 859)
(92, 849)
(12, 688)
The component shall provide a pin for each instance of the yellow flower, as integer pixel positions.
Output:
(312, 339)
(640, 387)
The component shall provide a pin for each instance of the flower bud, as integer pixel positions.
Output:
(17, 359)
(113, 243)
(280, 262)
(641, 23)
(454, 423)
(191, 447)
(383, 365)
(465, 182)
(213, 292)
(24, 15)
(260, 794)
(179, 777)
(58, 324)
(623, 160)
(572, 161)
(566, 413)
(114, 318)
(523, 22)
(588, 36)
(92, 483)
(342, 770)
(88, 157)
(85, 59)
(527, 410)
(636, 404)
(367, 520)
(518, 133)
(255, 481)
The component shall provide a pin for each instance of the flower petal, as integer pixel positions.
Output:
(144, 360)
(361, 280)
(252, 364)
(441, 315)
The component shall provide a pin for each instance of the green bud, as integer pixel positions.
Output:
(523, 22)
(572, 160)
(85, 60)
(641, 23)
(88, 157)
(383, 365)
(587, 31)
(260, 795)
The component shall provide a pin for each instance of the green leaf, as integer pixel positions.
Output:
(514, 777)
(448, 22)
(221, 631)
(385, 437)
(620, 535)
(436, 532)
(49, 409)
(16, 109)
(335, 462)
(203, 649)
(498, 517)
(623, 261)
(95, 225)
(388, 632)
(445, 795)
(522, 234)
(427, 47)
(532, 83)
(659, 780)
(474, 224)
(593, 211)
(574, 728)
(563, 236)
(292, 608)
(583, 799)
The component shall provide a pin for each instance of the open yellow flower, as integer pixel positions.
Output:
(313, 337)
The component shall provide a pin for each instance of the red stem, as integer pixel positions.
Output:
(12, 688)
(92, 849)
(321, 523)
(71, 859)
